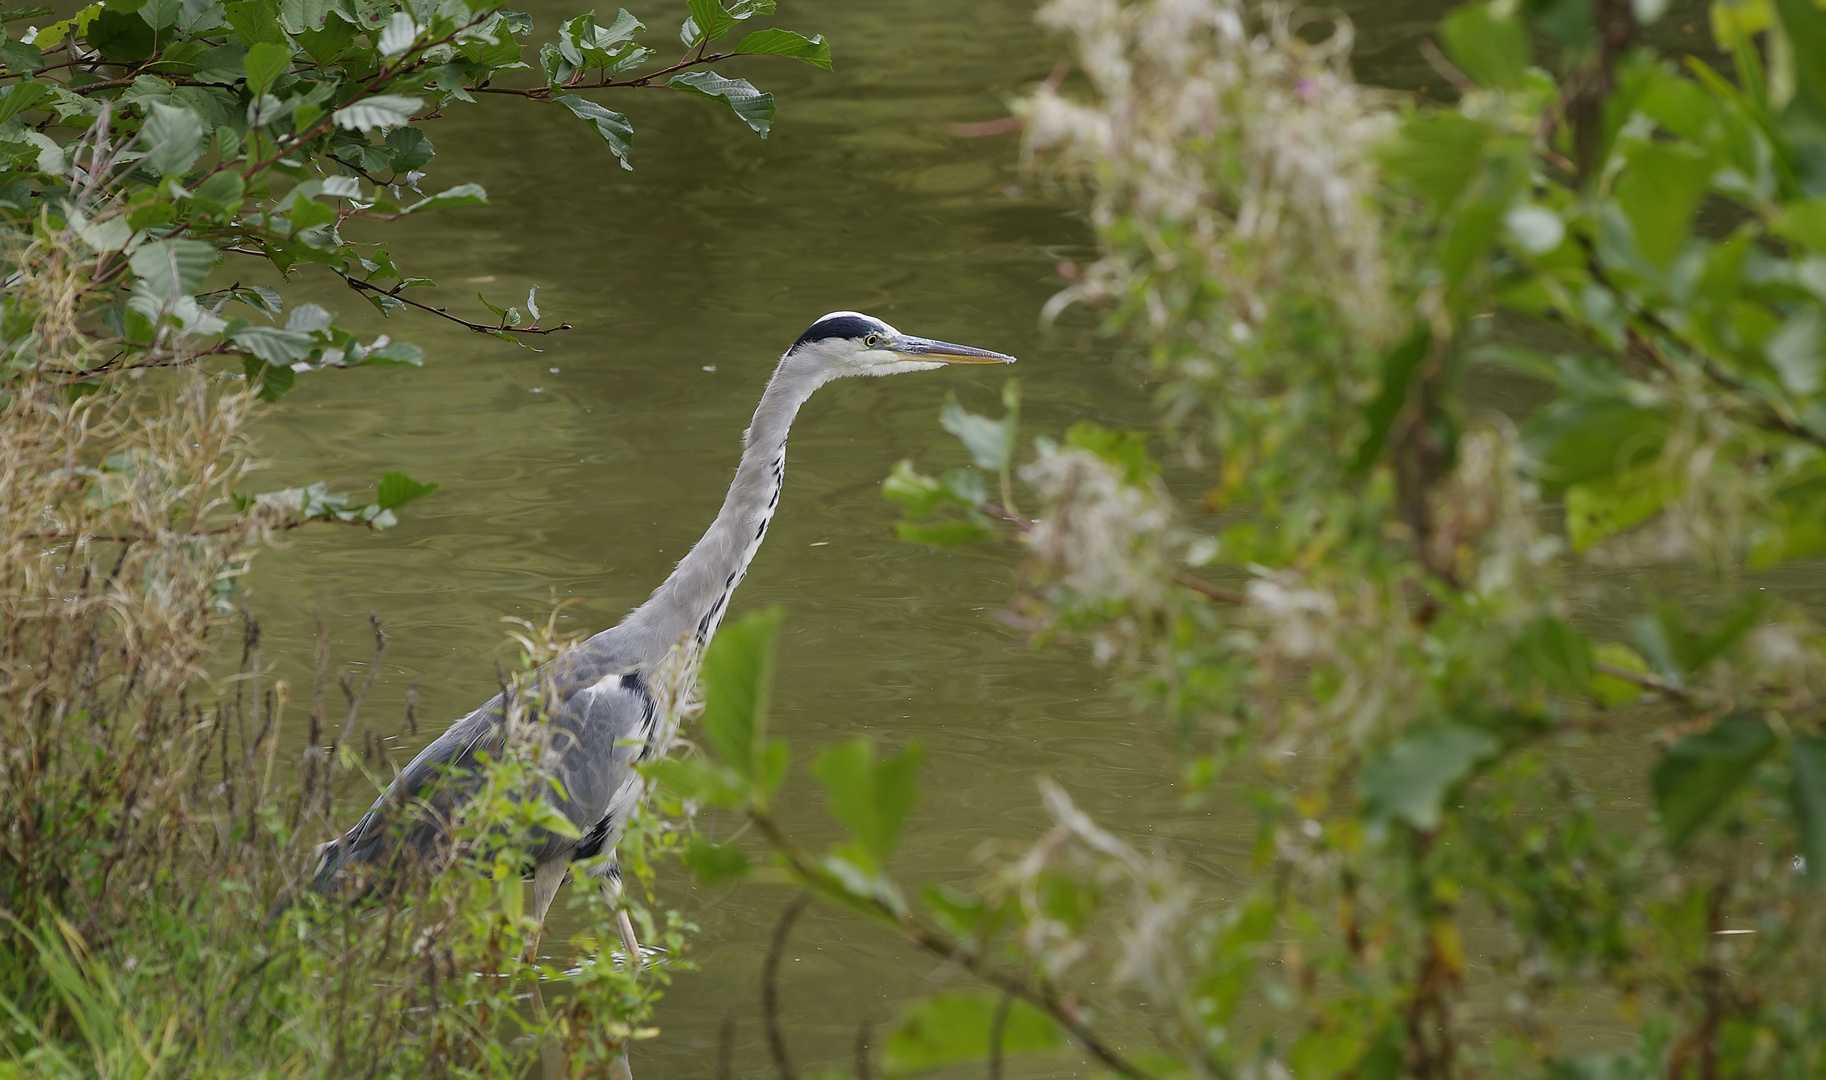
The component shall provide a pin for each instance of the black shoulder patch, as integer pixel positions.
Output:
(843, 326)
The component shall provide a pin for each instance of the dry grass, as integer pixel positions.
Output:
(154, 837)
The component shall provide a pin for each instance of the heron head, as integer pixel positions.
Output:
(850, 343)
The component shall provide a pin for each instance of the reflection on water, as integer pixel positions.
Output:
(583, 471)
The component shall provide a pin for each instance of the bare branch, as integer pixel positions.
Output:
(770, 985)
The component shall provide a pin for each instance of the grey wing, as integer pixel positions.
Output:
(602, 733)
(426, 789)
(598, 730)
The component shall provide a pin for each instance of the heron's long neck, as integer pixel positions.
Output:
(690, 605)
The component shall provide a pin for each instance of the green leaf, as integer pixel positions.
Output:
(871, 799)
(918, 493)
(1701, 772)
(307, 213)
(1677, 647)
(264, 63)
(1603, 507)
(461, 195)
(711, 20)
(411, 149)
(23, 96)
(738, 95)
(954, 1029)
(1493, 49)
(1126, 450)
(1609, 689)
(1557, 654)
(1659, 192)
(173, 267)
(381, 112)
(1409, 779)
(398, 35)
(309, 319)
(1580, 439)
(281, 348)
(1794, 352)
(1803, 223)
(1807, 801)
(172, 138)
(120, 36)
(398, 489)
(272, 379)
(19, 57)
(223, 65)
(706, 782)
(396, 352)
(1397, 369)
(738, 674)
(160, 14)
(990, 442)
(776, 42)
(612, 126)
(329, 43)
(1805, 25)
(713, 863)
(1436, 154)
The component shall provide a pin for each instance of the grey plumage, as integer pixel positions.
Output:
(608, 705)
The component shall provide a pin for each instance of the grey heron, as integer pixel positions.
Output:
(605, 709)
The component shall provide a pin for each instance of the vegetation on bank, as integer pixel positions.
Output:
(1445, 651)
(155, 835)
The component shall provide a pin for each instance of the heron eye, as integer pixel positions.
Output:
(872, 340)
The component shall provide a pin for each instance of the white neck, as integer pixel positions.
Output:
(689, 606)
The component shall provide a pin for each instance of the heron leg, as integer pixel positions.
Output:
(611, 887)
(547, 876)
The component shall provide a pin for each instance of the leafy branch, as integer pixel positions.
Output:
(504, 326)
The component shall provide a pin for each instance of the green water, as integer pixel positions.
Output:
(584, 471)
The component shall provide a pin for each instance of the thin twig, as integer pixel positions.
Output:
(481, 328)
(641, 82)
(1651, 683)
(997, 1024)
(1003, 513)
(770, 985)
(1205, 588)
(1445, 68)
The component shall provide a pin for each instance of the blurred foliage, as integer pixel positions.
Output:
(1534, 750)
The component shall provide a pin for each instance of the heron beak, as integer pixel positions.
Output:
(943, 352)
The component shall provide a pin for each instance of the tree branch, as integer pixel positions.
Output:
(643, 82)
(481, 328)
(935, 942)
(1205, 588)
(1652, 683)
